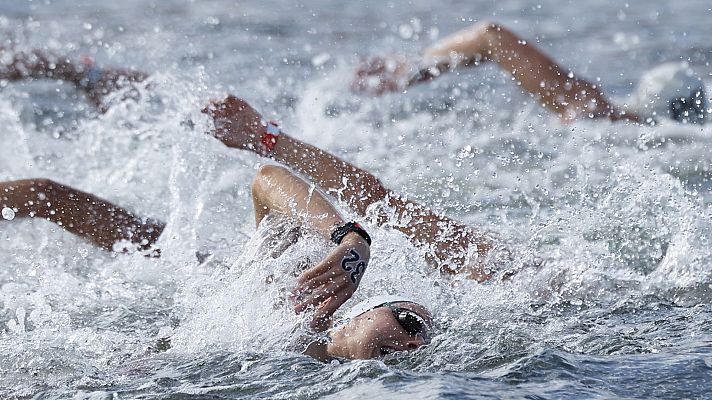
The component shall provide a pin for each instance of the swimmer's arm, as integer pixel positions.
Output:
(448, 240)
(331, 282)
(38, 64)
(237, 125)
(536, 72)
(80, 213)
(357, 187)
(277, 189)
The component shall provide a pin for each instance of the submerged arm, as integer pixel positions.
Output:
(80, 213)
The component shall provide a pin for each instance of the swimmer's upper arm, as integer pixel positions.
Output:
(277, 189)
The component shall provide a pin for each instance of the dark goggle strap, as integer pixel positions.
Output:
(338, 234)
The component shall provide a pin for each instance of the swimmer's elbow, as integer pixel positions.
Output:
(488, 27)
(264, 175)
(267, 171)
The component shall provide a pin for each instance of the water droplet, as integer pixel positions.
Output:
(8, 213)
(405, 31)
(320, 59)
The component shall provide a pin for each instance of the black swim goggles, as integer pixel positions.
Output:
(410, 321)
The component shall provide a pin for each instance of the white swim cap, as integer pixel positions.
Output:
(373, 302)
(671, 90)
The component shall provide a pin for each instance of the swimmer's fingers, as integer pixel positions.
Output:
(236, 123)
(312, 296)
(378, 75)
(318, 278)
(217, 108)
(324, 313)
(326, 308)
(336, 278)
(316, 284)
(323, 268)
(369, 75)
(311, 299)
(318, 275)
(371, 66)
(228, 106)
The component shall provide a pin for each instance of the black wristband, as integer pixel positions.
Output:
(338, 234)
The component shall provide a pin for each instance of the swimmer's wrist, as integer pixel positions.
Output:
(354, 238)
(351, 230)
(268, 139)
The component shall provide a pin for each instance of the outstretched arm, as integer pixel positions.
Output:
(80, 213)
(448, 241)
(333, 281)
(37, 64)
(451, 245)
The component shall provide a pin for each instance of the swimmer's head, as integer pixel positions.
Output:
(671, 90)
(379, 326)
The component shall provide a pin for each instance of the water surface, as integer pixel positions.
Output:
(621, 308)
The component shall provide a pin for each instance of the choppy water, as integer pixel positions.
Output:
(622, 213)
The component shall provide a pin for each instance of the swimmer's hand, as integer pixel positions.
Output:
(237, 124)
(377, 75)
(333, 281)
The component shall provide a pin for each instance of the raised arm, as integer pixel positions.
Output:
(556, 88)
(80, 213)
(452, 246)
(94, 81)
(333, 281)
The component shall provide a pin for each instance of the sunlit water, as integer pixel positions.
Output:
(620, 309)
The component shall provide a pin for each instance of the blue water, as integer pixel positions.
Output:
(622, 214)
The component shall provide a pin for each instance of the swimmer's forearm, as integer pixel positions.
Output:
(487, 41)
(555, 87)
(38, 65)
(357, 187)
(467, 44)
(80, 213)
(447, 238)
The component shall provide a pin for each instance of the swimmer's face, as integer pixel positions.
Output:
(377, 332)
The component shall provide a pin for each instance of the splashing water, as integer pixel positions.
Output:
(620, 213)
